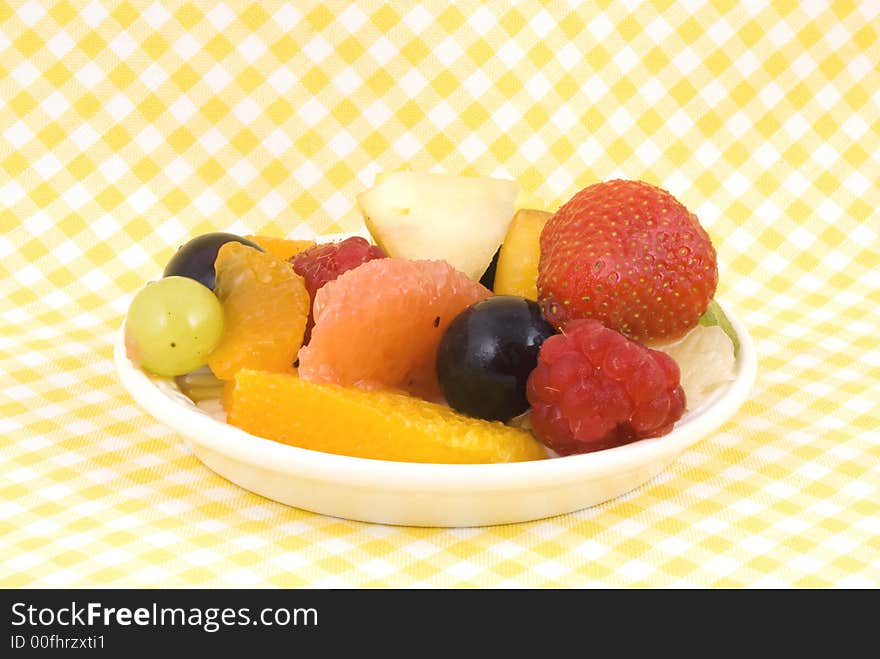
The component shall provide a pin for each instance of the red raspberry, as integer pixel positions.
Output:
(325, 262)
(595, 389)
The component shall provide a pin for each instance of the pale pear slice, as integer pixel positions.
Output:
(706, 360)
(459, 219)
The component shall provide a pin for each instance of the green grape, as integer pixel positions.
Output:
(173, 324)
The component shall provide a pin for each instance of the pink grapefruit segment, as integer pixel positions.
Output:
(378, 326)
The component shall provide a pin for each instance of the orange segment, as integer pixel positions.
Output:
(517, 270)
(226, 394)
(283, 248)
(369, 424)
(265, 307)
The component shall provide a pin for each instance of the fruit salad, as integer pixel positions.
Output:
(472, 328)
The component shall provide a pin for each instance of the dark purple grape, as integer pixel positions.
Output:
(487, 353)
(195, 259)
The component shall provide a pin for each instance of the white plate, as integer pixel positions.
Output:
(418, 494)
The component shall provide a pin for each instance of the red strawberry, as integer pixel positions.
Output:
(630, 255)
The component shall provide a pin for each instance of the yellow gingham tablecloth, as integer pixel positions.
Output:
(128, 127)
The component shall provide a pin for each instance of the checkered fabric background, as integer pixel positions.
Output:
(127, 127)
